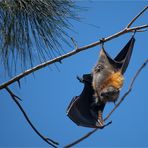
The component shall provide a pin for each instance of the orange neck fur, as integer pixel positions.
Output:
(116, 80)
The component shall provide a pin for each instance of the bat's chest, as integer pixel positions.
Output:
(107, 86)
(114, 80)
(99, 79)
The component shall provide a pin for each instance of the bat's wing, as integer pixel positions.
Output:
(81, 109)
(124, 55)
(121, 61)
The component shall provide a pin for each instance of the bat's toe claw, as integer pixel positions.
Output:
(100, 122)
(100, 119)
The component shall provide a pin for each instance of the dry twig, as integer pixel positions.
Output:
(120, 101)
(136, 17)
(46, 139)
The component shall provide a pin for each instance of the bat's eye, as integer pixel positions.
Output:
(99, 67)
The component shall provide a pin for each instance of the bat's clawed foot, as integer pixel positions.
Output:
(100, 123)
(100, 119)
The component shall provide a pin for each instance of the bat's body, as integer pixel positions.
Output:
(108, 90)
(101, 86)
(113, 82)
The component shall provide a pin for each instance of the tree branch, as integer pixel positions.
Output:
(117, 105)
(85, 136)
(47, 140)
(75, 51)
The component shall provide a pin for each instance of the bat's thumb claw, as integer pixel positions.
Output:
(80, 79)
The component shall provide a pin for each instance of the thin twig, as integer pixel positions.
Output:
(47, 140)
(73, 52)
(122, 98)
(142, 30)
(14, 96)
(136, 17)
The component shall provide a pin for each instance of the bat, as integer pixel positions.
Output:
(102, 85)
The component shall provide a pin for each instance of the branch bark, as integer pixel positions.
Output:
(117, 105)
(77, 50)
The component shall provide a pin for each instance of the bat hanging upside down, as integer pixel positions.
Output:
(100, 87)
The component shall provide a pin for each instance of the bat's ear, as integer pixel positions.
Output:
(106, 60)
(103, 56)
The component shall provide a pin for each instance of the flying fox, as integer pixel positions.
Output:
(101, 86)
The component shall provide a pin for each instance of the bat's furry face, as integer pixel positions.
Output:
(107, 80)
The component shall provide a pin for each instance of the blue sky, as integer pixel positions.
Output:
(47, 93)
